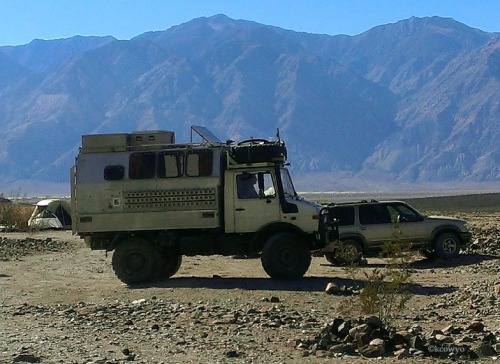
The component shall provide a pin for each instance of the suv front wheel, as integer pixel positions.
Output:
(447, 245)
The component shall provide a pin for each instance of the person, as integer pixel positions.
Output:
(246, 183)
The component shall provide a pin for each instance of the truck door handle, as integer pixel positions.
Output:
(240, 209)
(362, 228)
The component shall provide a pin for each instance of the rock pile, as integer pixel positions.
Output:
(368, 337)
(485, 241)
(14, 249)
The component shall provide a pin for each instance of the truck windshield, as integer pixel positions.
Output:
(288, 189)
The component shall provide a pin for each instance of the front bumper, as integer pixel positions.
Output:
(465, 237)
(328, 227)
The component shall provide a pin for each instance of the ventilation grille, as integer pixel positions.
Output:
(186, 199)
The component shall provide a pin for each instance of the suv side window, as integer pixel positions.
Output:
(403, 212)
(374, 214)
(345, 215)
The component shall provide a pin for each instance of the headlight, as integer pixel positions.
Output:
(466, 227)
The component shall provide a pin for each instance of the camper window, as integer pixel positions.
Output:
(199, 163)
(141, 165)
(114, 173)
(170, 164)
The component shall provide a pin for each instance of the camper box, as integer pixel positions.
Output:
(121, 142)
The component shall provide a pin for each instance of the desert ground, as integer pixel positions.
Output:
(60, 302)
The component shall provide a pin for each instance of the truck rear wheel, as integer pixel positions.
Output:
(135, 261)
(285, 256)
(169, 265)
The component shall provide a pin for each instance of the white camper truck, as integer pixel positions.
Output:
(153, 201)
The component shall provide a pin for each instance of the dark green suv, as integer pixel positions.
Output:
(364, 228)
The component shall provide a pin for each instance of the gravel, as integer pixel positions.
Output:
(460, 321)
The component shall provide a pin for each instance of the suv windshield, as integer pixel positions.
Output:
(288, 189)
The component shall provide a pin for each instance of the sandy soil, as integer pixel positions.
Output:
(67, 306)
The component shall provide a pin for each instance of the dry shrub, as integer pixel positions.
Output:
(15, 214)
(384, 292)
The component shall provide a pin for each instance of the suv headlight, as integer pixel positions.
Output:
(466, 226)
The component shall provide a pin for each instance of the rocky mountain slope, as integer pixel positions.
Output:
(414, 101)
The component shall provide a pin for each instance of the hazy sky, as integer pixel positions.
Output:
(21, 21)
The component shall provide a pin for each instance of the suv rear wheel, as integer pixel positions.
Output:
(447, 245)
(349, 252)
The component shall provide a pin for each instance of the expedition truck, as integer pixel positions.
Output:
(153, 201)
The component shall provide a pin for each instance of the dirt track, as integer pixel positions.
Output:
(66, 306)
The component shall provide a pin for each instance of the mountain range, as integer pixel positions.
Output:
(409, 103)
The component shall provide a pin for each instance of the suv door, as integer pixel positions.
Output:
(346, 217)
(409, 223)
(375, 224)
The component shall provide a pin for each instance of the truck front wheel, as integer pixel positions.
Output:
(135, 261)
(285, 256)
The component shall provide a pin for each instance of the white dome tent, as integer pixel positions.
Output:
(51, 214)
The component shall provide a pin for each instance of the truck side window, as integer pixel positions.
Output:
(114, 173)
(246, 185)
(267, 188)
(170, 164)
(199, 163)
(141, 165)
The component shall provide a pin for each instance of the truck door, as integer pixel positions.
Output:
(255, 202)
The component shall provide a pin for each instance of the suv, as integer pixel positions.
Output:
(364, 228)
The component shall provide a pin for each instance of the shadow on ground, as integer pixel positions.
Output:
(432, 263)
(305, 284)
(460, 261)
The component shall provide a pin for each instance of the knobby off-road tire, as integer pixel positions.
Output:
(135, 261)
(330, 257)
(285, 256)
(169, 265)
(348, 253)
(447, 245)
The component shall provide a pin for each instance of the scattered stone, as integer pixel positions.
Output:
(232, 354)
(332, 288)
(374, 349)
(485, 351)
(417, 343)
(26, 358)
(402, 354)
(360, 329)
(476, 326)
